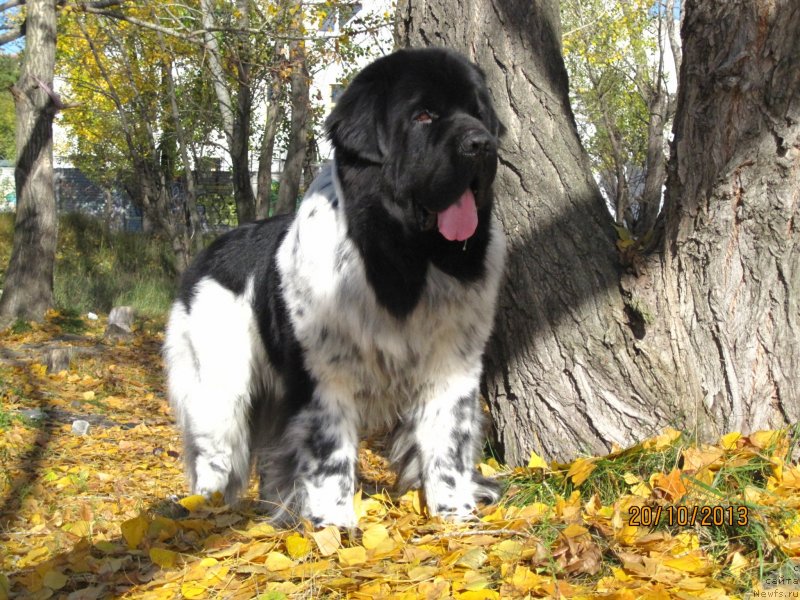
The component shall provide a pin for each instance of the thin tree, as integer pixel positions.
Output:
(235, 109)
(289, 188)
(703, 333)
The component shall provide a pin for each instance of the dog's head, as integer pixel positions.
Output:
(426, 117)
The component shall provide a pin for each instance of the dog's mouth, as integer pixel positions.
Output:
(459, 221)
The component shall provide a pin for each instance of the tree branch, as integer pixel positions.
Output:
(12, 35)
(10, 4)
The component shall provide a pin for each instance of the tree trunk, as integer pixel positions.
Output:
(655, 160)
(289, 188)
(28, 287)
(702, 336)
(240, 143)
(272, 119)
(190, 229)
(235, 123)
(731, 257)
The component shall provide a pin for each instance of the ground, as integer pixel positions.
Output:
(105, 513)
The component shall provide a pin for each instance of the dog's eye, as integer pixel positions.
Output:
(424, 116)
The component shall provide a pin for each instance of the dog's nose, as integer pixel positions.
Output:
(477, 143)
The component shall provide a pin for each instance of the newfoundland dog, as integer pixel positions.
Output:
(367, 310)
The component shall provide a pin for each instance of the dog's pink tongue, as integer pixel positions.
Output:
(459, 221)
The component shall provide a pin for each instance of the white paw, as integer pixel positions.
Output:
(343, 517)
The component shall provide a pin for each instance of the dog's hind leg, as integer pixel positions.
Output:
(209, 354)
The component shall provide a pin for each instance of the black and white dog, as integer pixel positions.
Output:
(369, 309)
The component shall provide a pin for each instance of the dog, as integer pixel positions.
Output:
(368, 310)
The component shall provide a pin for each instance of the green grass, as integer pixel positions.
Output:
(97, 270)
(733, 484)
(606, 480)
(20, 326)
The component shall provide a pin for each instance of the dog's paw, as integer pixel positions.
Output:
(487, 491)
(343, 517)
(463, 513)
(460, 501)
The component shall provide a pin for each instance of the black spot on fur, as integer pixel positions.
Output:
(331, 468)
(448, 481)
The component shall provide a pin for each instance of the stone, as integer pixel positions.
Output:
(59, 359)
(122, 316)
(80, 427)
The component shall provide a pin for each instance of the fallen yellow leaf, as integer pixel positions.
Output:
(276, 561)
(374, 535)
(297, 546)
(328, 540)
(478, 595)
(738, 564)
(350, 557)
(55, 580)
(164, 558)
(728, 441)
(580, 469)
(133, 530)
(260, 530)
(537, 462)
(664, 440)
(193, 503)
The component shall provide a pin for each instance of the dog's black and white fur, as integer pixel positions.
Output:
(292, 336)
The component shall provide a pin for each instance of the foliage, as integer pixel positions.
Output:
(97, 270)
(9, 73)
(73, 525)
(611, 53)
(114, 73)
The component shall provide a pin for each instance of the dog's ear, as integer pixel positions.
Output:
(356, 124)
(495, 125)
(484, 99)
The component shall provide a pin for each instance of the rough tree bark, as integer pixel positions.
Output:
(730, 266)
(702, 335)
(28, 287)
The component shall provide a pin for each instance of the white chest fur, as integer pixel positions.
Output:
(353, 346)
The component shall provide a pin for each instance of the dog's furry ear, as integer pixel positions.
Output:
(356, 124)
(494, 124)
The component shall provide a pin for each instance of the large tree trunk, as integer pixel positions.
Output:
(587, 353)
(731, 259)
(28, 287)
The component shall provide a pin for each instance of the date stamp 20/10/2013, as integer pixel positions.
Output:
(684, 516)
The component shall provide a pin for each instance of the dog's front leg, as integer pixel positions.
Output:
(448, 436)
(310, 473)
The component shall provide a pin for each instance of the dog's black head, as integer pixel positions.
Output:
(425, 116)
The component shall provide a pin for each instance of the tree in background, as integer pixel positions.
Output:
(250, 54)
(125, 113)
(300, 104)
(701, 333)
(234, 89)
(9, 74)
(619, 62)
(28, 285)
